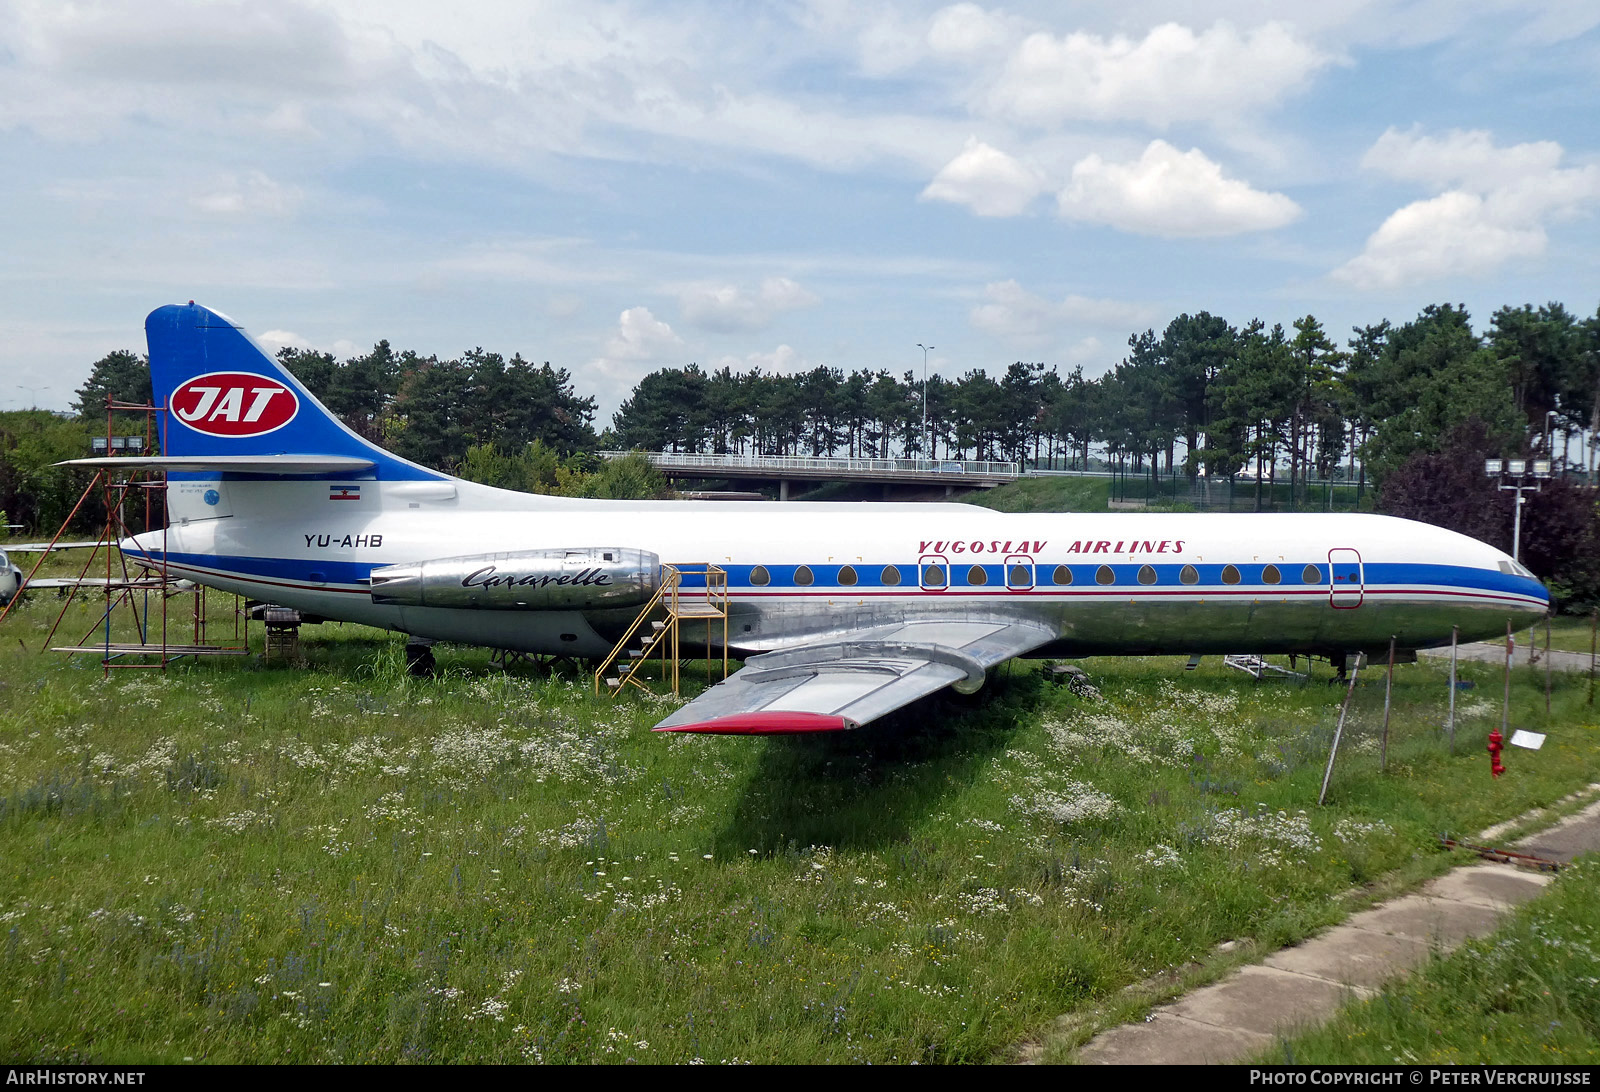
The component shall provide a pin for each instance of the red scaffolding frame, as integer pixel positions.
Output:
(126, 595)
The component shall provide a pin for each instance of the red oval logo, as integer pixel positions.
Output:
(234, 404)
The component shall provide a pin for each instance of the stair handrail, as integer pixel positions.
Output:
(669, 579)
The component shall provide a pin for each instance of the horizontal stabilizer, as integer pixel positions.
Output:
(242, 464)
(44, 547)
(766, 724)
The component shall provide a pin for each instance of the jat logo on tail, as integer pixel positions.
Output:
(234, 404)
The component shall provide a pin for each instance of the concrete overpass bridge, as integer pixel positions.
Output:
(950, 475)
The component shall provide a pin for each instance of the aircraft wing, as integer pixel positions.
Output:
(843, 682)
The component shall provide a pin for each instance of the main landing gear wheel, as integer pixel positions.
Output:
(419, 659)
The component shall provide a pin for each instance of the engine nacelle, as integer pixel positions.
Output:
(586, 578)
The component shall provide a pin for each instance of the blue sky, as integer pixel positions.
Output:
(617, 188)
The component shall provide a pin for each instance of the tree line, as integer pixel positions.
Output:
(1201, 397)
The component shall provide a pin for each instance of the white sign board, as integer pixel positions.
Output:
(1531, 740)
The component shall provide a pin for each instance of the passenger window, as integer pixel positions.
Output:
(1062, 575)
(1270, 575)
(1104, 575)
(759, 577)
(1311, 575)
(933, 576)
(1018, 576)
(1189, 575)
(891, 575)
(1230, 574)
(1147, 575)
(847, 576)
(976, 576)
(803, 577)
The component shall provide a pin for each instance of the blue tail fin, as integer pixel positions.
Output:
(226, 396)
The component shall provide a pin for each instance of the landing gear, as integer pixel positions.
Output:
(419, 658)
(1341, 663)
(544, 666)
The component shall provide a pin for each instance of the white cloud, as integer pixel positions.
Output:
(1171, 74)
(1030, 321)
(728, 307)
(986, 180)
(781, 361)
(556, 261)
(563, 305)
(887, 41)
(275, 46)
(1086, 351)
(641, 336)
(1493, 208)
(1170, 193)
(273, 340)
(249, 194)
(341, 348)
(640, 344)
(966, 30)
(494, 85)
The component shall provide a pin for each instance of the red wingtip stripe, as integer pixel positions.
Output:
(766, 724)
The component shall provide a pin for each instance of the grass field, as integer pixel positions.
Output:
(1525, 995)
(1046, 494)
(238, 861)
(1568, 633)
(1070, 494)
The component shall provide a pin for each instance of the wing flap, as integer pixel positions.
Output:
(841, 683)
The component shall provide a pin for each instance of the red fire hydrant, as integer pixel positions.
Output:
(1496, 741)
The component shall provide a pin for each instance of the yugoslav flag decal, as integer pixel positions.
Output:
(234, 404)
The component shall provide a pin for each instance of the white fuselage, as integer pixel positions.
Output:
(1104, 582)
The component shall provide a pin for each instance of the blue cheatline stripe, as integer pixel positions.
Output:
(870, 577)
(1168, 577)
(275, 568)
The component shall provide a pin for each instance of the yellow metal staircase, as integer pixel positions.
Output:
(657, 633)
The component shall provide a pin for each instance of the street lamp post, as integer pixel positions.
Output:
(925, 350)
(1520, 470)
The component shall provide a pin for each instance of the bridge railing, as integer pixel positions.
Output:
(675, 460)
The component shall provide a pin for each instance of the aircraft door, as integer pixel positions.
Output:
(1346, 589)
(1019, 573)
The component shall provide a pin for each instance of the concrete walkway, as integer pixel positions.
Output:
(1246, 1012)
(1494, 652)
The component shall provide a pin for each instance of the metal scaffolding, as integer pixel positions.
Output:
(143, 621)
(688, 593)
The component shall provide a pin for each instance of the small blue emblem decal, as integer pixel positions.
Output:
(212, 496)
